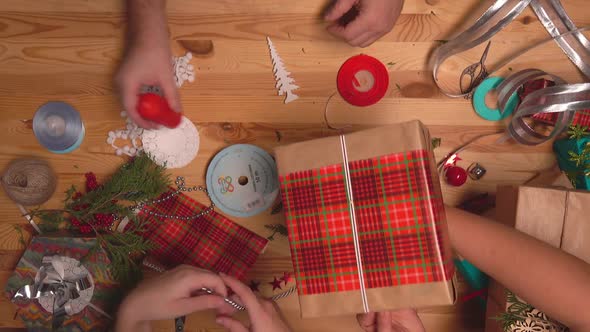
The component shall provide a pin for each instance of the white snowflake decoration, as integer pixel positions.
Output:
(285, 83)
(132, 134)
(183, 70)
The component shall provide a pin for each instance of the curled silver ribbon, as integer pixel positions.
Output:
(562, 99)
(51, 281)
(551, 14)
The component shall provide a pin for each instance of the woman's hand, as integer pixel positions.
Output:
(171, 295)
(391, 321)
(375, 18)
(264, 316)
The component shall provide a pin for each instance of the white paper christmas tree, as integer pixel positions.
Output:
(285, 83)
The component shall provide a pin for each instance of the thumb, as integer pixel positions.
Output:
(171, 94)
(384, 322)
(340, 8)
(231, 324)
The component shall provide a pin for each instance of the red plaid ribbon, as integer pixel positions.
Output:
(212, 241)
(581, 118)
(398, 215)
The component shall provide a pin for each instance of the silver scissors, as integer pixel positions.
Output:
(477, 72)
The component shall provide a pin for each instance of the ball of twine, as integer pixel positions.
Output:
(29, 181)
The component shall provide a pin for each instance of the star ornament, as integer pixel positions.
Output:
(254, 286)
(286, 278)
(276, 283)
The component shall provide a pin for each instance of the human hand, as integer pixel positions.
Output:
(375, 18)
(264, 316)
(391, 321)
(171, 295)
(148, 62)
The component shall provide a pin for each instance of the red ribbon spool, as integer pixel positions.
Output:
(362, 80)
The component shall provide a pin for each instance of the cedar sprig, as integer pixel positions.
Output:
(276, 228)
(516, 312)
(139, 180)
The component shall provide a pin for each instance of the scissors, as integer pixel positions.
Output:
(477, 72)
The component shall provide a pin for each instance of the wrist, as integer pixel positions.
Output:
(129, 317)
(147, 23)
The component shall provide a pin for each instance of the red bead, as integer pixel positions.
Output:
(456, 176)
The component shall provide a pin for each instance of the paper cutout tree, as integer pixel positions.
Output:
(285, 83)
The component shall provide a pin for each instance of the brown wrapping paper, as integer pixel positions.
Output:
(558, 217)
(361, 146)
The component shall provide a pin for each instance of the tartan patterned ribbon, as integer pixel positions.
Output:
(211, 241)
(399, 218)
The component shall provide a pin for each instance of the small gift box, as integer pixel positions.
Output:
(573, 157)
(558, 217)
(366, 222)
(63, 284)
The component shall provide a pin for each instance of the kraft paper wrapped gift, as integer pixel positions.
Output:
(558, 217)
(366, 222)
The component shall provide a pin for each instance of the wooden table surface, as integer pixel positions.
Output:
(69, 49)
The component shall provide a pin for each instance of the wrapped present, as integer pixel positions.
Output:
(558, 217)
(63, 284)
(211, 242)
(577, 171)
(581, 118)
(366, 222)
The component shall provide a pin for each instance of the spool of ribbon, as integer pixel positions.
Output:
(551, 14)
(62, 286)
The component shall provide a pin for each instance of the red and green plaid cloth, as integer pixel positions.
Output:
(398, 214)
(581, 118)
(211, 242)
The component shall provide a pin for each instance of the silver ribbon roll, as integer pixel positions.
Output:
(551, 14)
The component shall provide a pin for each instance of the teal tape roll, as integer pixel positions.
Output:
(479, 100)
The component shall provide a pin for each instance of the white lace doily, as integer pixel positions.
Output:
(72, 269)
(174, 148)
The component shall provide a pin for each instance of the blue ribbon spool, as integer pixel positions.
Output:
(479, 100)
(58, 127)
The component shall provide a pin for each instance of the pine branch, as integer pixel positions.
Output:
(276, 228)
(139, 180)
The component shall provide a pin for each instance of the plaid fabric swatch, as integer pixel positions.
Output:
(397, 212)
(581, 118)
(211, 242)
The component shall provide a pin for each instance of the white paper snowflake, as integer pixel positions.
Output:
(285, 83)
(183, 70)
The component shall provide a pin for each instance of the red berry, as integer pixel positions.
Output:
(456, 176)
(75, 222)
(91, 183)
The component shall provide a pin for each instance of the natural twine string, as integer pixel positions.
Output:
(29, 181)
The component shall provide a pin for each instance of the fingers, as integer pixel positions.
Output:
(340, 8)
(361, 40)
(231, 324)
(250, 300)
(352, 31)
(198, 303)
(384, 322)
(194, 279)
(171, 94)
(129, 92)
(367, 321)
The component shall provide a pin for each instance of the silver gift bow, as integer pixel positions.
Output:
(551, 14)
(50, 281)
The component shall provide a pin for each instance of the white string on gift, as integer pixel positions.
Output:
(352, 214)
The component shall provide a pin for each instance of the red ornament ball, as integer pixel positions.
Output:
(456, 176)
